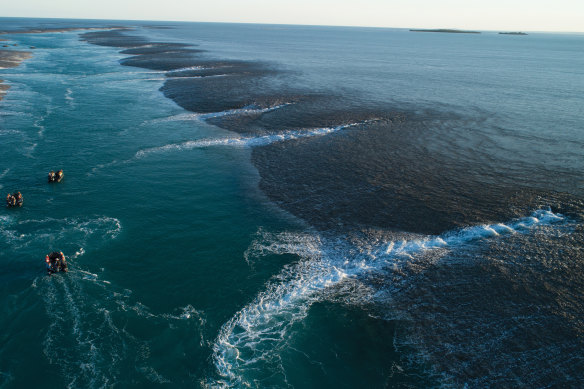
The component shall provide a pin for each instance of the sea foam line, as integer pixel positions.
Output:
(190, 116)
(185, 77)
(249, 110)
(253, 337)
(245, 141)
(190, 68)
(250, 141)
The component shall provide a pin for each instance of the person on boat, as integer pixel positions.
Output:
(19, 199)
(51, 176)
(50, 263)
(10, 200)
(59, 175)
(62, 262)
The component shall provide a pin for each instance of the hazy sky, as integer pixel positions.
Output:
(527, 15)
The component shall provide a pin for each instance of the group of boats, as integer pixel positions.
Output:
(55, 261)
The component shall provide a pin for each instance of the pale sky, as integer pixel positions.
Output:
(509, 15)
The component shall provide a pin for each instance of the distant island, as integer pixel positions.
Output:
(449, 31)
(513, 33)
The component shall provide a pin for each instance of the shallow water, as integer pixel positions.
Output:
(281, 206)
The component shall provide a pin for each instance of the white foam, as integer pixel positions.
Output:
(244, 141)
(103, 166)
(185, 77)
(15, 113)
(9, 132)
(30, 150)
(250, 110)
(50, 231)
(69, 94)
(188, 68)
(174, 118)
(70, 100)
(249, 339)
(38, 123)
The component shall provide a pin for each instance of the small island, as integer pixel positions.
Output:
(447, 30)
(513, 33)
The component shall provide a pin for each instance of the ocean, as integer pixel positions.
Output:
(274, 206)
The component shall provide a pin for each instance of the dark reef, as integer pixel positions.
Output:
(394, 168)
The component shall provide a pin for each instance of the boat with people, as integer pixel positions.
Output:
(56, 262)
(56, 177)
(14, 200)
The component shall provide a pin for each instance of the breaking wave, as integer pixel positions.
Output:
(190, 68)
(189, 116)
(253, 338)
(252, 141)
(185, 77)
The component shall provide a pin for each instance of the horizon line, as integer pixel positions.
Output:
(296, 24)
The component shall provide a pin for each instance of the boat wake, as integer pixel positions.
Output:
(87, 341)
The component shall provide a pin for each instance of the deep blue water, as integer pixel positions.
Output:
(293, 207)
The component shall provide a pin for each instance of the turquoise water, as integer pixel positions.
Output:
(186, 273)
(146, 238)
